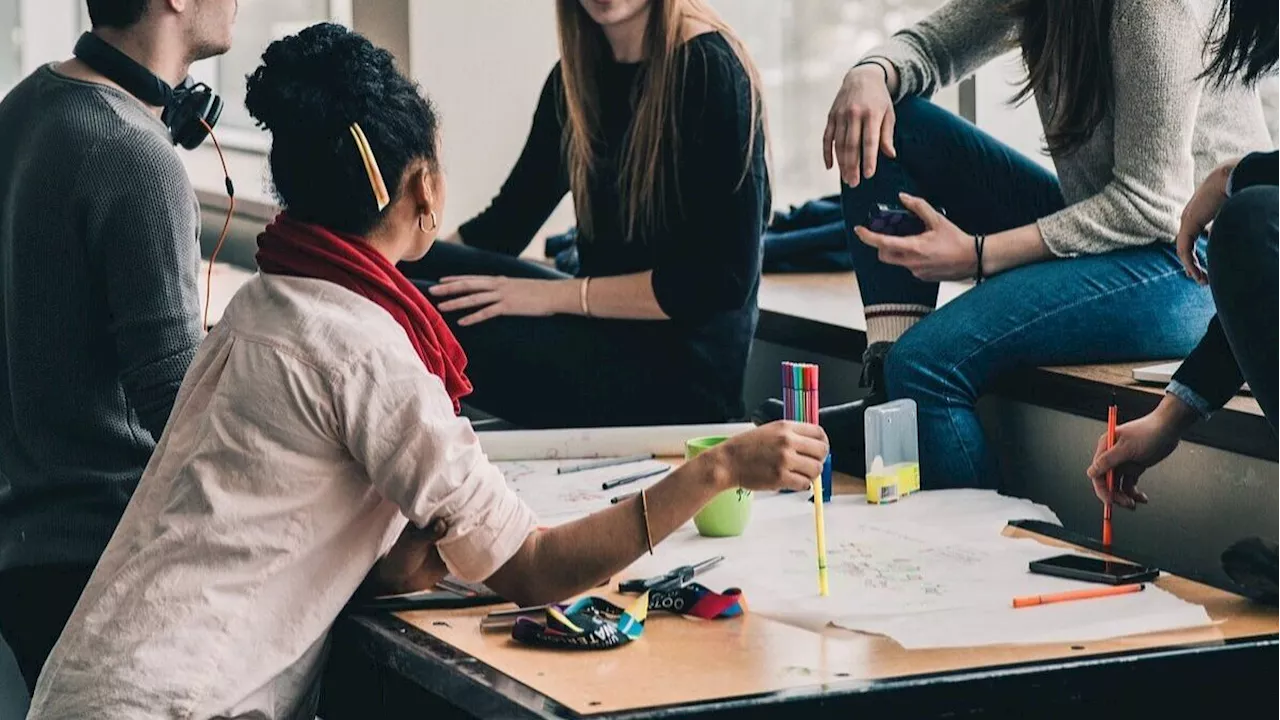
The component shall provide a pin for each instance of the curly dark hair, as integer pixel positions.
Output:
(308, 91)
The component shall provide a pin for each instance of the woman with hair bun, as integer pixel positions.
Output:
(315, 445)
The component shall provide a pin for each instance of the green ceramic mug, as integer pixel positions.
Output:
(728, 513)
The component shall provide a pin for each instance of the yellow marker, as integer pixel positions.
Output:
(823, 589)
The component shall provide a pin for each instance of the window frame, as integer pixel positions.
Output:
(245, 139)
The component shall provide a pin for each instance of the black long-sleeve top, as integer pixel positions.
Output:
(1211, 371)
(706, 263)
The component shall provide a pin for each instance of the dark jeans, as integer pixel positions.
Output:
(564, 370)
(1127, 305)
(35, 604)
(1243, 276)
(806, 238)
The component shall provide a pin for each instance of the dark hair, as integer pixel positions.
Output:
(308, 91)
(119, 14)
(1247, 45)
(1067, 47)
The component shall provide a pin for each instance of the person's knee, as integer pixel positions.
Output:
(1243, 241)
(916, 367)
(917, 121)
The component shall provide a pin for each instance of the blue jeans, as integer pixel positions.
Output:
(1126, 305)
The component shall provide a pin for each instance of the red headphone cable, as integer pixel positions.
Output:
(226, 224)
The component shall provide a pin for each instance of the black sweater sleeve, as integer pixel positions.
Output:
(1258, 168)
(535, 186)
(709, 260)
(1211, 371)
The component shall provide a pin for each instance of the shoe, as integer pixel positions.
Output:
(844, 423)
(1251, 564)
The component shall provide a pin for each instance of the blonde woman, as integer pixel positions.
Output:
(653, 121)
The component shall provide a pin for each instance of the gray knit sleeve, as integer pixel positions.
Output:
(142, 230)
(1156, 56)
(948, 45)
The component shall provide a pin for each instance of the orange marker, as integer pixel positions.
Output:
(1112, 415)
(1033, 600)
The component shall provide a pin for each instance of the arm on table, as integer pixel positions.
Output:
(560, 562)
(398, 423)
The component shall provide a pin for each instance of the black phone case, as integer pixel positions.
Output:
(1044, 568)
(893, 220)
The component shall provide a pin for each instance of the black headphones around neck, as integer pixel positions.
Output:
(184, 106)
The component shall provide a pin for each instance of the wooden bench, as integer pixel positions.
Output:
(823, 313)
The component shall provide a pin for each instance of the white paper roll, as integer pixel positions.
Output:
(662, 441)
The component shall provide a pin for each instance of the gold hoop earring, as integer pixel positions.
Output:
(434, 223)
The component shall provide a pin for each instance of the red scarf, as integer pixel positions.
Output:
(290, 247)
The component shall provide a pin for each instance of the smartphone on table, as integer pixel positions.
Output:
(1090, 569)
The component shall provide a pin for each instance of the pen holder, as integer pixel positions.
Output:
(729, 512)
(892, 447)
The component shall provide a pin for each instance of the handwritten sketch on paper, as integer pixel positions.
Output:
(930, 571)
(560, 498)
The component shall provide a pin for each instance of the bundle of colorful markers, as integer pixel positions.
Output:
(800, 400)
(800, 392)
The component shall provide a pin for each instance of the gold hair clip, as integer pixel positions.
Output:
(380, 193)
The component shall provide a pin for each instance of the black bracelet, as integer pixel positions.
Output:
(880, 65)
(979, 243)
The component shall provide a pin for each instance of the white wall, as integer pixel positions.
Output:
(483, 62)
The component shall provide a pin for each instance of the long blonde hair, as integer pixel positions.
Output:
(644, 176)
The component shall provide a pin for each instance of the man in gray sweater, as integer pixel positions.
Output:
(99, 311)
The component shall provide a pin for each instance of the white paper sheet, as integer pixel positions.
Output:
(1152, 610)
(932, 570)
(559, 498)
(663, 441)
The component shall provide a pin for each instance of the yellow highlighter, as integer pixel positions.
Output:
(823, 588)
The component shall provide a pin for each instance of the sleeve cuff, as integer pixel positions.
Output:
(484, 542)
(894, 53)
(1192, 398)
(1053, 228)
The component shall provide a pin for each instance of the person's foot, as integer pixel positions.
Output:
(1251, 564)
(844, 423)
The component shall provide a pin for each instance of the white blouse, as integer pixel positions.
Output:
(305, 437)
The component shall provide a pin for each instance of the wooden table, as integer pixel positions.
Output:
(438, 664)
